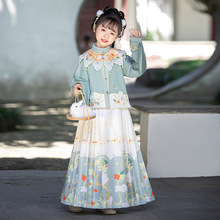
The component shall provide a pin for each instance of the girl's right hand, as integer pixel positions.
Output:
(134, 32)
(76, 88)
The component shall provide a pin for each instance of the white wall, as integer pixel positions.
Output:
(191, 24)
(38, 50)
(175, 49)
(181, 144)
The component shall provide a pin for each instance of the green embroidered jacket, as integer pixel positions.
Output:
(101, 73)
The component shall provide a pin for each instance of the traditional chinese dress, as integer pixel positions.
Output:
(106, 168)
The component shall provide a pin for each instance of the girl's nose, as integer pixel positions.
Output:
(106, 35)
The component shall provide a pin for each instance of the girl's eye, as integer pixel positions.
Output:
(113, 34)
(103, 29)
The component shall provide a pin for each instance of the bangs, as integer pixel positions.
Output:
(111, 24)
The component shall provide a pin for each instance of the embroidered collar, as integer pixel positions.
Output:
(96, 49)
(100, 57)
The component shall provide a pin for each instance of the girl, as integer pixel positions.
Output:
(106, 169)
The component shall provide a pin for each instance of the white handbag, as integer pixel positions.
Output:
(80, 111)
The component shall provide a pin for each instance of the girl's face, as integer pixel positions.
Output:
(105, 36)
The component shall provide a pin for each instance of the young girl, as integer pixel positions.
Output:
(106, 170)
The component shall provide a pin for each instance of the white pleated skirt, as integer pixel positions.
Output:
(106, 168)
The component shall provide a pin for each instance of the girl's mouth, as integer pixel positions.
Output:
(104, 41)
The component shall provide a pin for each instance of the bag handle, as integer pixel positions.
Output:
(84, 104)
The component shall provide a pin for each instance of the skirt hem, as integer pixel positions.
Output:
(100, 207)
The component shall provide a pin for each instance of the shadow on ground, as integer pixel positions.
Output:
(45, 124)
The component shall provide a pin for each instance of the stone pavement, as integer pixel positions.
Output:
(34, 195)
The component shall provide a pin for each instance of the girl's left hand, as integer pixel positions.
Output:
(134, 32)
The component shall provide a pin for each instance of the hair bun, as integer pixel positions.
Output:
(107, 8)
(122, 15)
(113, 11)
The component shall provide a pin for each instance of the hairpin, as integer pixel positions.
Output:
(98, 14)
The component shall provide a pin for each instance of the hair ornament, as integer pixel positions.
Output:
(99, 12)
(123, 22)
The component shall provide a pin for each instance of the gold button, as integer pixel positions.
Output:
(106, 92)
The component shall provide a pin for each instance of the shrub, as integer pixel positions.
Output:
(9, 119)
(151, 36)
(217, 98)
(177, 70)
(160, 77)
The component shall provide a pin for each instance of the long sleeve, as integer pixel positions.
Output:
(81, 76)
(135, 66)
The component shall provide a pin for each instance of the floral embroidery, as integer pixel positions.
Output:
(119, 98)
(105, 141)
(121, 188)
(96, 99)
(129, 177)
(97, 192)
(117, 177)
(99, 60)
(83, 178)
(104, 177)
(83, 189)
(133, 48)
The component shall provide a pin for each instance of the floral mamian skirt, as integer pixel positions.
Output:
(106, 168)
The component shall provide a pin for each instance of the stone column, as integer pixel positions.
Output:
(118, 4)
(131, 16)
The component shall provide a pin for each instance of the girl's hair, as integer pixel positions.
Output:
(111, 18)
